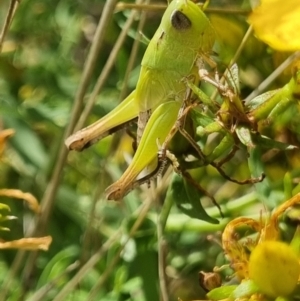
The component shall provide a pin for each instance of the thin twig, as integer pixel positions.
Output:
(241, 46)
(235, 58)
(141, 6)
(161, 6)
(87, 267)
(161, 261)
(42, 292)
(88, 231)
(133, 54)
(96, 257)
(110, 268)
(8, 19)
(273, 76)
(105, 71)
(13, 271)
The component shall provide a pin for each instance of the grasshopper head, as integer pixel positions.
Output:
(189, 25)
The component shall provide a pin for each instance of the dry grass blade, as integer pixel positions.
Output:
(4, 135)
(235, 58)
(25, 196)
(10, 14)
(273, 76)
(29, 244)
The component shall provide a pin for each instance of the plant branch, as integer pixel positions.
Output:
(8, 19)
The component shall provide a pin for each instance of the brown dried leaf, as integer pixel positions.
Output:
(31, 244)
(28, 197)
(4, 135)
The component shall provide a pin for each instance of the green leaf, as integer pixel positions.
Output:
(288, 185)
(257, 168)
(295, 243)
(267, 143)
(244, 135)
(4, 207)
(187, 198)
(58, 264)
(246, 288)
(222, 149)
(221, 292)
(27, 143)
(261, 100)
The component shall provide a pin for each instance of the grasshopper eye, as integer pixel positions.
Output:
(180, 21)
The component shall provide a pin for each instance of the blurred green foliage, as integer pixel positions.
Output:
(41, 65)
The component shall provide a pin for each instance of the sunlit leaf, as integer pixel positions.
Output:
(4, 207)
(27, 142)
(58, 264)
(187, 198)
(295, 243)
(222, 292)
(246, 288)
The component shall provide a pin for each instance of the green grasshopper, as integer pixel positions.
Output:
(158, 103)
(184, 35)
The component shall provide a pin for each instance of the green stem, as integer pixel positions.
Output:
(165, 211)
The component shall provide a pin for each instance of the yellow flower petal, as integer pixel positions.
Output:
(274, 268)
(277, 23)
